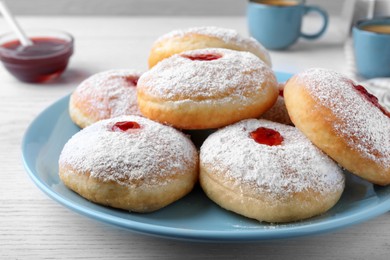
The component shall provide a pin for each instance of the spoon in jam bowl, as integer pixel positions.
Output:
(34, 55)
(25, 41)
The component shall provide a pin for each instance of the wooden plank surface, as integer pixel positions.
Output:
(32, 226)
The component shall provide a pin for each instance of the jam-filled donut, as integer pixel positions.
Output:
(207, 88)
(105, 95)
(268, 171)
(130, 163)
(342, 119)
(204, 37)
(278, 112)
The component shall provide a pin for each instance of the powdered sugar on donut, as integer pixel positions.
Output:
(229, 36)
(234, 75)
(109, 94)
(278, 112)
(363, 125)
(294, 166)
(150, 154)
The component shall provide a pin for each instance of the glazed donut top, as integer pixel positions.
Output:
(280, 163)
(363, 122)
(110, 93)
(228, 36)
(206, 74)
(128, 149)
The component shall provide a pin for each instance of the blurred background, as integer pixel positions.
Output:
(145, 7)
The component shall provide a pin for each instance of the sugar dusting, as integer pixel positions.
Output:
(363, 125)
(294, 166)
(234, 75)
(229, 36)
(110, 93)
(150, 154)
(278, 112)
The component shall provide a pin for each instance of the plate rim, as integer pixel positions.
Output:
(192, 234)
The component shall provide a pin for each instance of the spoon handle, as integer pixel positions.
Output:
(25, 41)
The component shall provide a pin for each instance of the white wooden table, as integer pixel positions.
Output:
(32, 226)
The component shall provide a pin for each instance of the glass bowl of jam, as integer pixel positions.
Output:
(46, 59)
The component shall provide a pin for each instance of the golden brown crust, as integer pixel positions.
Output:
(246, 200)
(172, 45)
(316, 122)
(204, 115)
(278, 113)
(132, 196)
(286, 182)
(190, 94)
(76, 108)
(140, 169)
(104, 95)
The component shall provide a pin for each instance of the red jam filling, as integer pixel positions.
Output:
(133, 81)
(124, 126)
(203, 57)
(371, 98)
(267, 136)
(281, 93)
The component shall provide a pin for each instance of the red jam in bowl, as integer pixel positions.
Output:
(46, 59)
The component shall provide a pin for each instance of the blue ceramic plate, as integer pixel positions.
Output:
(194, 217)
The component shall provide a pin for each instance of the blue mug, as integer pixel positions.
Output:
(371, 41)
(277, 23)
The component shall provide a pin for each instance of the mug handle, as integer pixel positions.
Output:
(324, 15)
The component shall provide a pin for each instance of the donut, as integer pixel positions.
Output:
(178, 41)
(379, 87)
(278, 112)
(105, 95)
(207, 88)
(130, 163)
(342, 119)
(269, 172)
